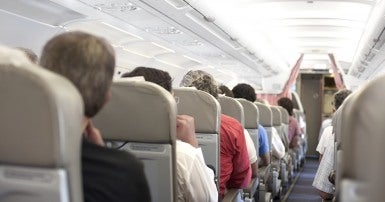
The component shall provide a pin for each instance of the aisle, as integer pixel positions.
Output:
(302, 190)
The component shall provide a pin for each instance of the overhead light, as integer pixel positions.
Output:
(193, 59)
(160, 46)
(168, 63)
(136, 53)
(113, 34)
(178, 4)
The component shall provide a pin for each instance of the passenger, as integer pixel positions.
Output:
(251, 149)
(327, 136)
(247, 92)
(235, 171)
(30, 54)
(195, 180)
(326, 145)
(294, 129)
(224, 90)
(89, 62)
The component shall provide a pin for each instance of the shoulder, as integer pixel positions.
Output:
(231, 123)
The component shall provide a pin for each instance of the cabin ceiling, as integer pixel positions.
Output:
(252, 41)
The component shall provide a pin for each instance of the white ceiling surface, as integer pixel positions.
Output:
(252, 41)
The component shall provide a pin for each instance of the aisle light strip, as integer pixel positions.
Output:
(160, 46)
(190, 58)
(167, 63)
(121, 30)
(136, 53)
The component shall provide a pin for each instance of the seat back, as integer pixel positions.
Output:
(363, 144)
(207, 113)
(143, 114)
(266, 120)
(40, 129)
(232, 107)
(277, 123)
(251, 120)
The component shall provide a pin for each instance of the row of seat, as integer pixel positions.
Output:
(41, 114)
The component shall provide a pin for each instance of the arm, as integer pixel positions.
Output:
(264, 160)
(185, 129)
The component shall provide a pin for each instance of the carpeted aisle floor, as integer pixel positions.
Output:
(302, 190)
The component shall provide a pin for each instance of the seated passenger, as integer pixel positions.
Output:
(294, 129)
(247, 92)
(251, 149)
(89, 62)
(195, 180)
(235, 171)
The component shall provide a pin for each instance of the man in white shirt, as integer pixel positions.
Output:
(327, 138)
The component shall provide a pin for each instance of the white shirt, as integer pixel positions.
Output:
(250, 147)
(277, 144)
(195, 180)
(321, 179)
(326, 139)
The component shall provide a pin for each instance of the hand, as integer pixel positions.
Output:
(93, 134)
(185, 129)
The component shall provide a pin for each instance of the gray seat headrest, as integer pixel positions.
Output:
(41, 117)
(265, 114)
(139, 111)
(277, 120)
(251, 113)
(202, 106)
(232, 107)
(284, 115)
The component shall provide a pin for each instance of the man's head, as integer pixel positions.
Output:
(87, 61)
(287, 104)
(157, 76)
(245, 91)
(201, 80)
(339, 97)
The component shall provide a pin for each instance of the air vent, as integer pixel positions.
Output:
(163, 30)
(117, 6)
(213, 29)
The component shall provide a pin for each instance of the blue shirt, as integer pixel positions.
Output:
(263, 140)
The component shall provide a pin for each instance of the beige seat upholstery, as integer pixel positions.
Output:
(251, 120)
(143, 115)
(362, 169)
(265, 119)
(40, 129)
(207, 113)
(232, 107)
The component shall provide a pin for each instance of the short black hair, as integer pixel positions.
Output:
(287, 104)
(340, 96)
(245, 91)
(153, 75)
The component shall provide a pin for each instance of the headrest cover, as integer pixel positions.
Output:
(41, 114)
(202, 106)
(363, 137)
(277, 120)
(251, 113)
(265, 115)
(284, 115)
(232, 107)
(139, 111)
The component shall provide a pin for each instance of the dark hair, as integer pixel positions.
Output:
(245, 91)
(339, 97)
(287, 104)
(87, 61)
(30, 54)
(153, 75)
(224, 90)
